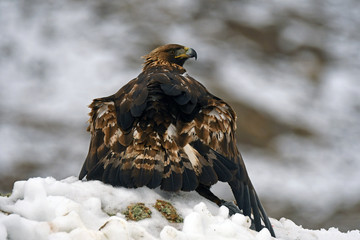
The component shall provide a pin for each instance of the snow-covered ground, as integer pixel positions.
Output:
(44, 208)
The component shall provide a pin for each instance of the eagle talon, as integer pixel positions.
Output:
(231, 206)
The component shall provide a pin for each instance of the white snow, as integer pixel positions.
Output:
(44, 208)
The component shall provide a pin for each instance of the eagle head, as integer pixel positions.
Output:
(170, 54)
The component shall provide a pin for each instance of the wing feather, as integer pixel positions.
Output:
(165, 129)
(161, 129)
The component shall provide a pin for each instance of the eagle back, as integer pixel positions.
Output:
(164, 129)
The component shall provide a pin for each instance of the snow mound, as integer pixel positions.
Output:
(44, 208)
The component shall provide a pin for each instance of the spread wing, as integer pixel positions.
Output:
(165, 129)
(162, 129)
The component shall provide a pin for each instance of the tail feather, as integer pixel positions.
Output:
(105, 176)
(83, 171)
(248, 201)
(265, 218)
(256, 210)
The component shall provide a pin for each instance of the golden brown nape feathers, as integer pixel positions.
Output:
(164, 129)
(173, 55)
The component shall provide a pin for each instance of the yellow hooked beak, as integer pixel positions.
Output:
(186, 53)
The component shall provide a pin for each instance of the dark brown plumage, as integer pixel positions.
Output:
(165, 129)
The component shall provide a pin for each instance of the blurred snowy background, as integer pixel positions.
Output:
(289, 69)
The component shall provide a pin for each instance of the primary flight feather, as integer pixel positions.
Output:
(164, 128)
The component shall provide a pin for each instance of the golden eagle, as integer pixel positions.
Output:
(164, 128)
